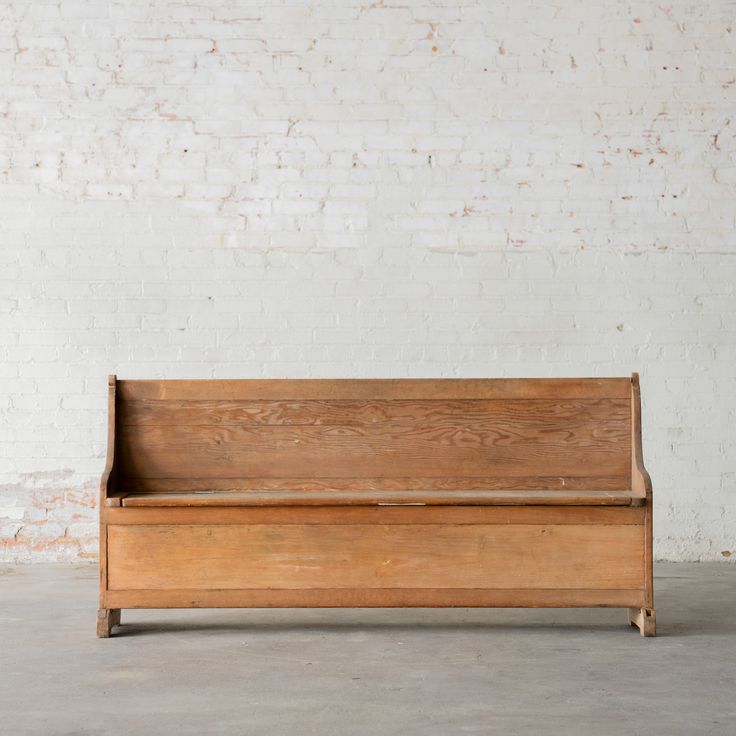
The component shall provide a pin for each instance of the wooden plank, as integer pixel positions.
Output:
(405, 483)
(379, 515)
(107, 483)
(354, 389)
(641, 482)
(202, 557)
(644, 619)
(640, 479)
(473, 414)
(277, 451)
(376, 498)
(375, 598)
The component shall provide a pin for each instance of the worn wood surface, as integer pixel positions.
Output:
(376, 598)
(380, 451)
(480, 415)
(380, 556)
(644, 619)
(107, 485)
(360, 497)
(397, 483)
(357, 515)
(523, 438)
(107, 618)
(372, 389)
(520, 492)
(641, 485)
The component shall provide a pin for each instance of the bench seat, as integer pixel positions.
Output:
(381, 498)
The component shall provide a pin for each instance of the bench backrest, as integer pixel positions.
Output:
(373, 434)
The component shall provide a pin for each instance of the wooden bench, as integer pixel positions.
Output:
(327, 493)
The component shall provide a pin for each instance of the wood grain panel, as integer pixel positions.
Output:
(359, 515)
(399, 483)
(201, 557)
(506, 442)
(361, 497)
(373, 598)
(641, 482)
(277, 451)
(473, 414)
(354, 389)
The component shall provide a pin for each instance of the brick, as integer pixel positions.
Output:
(449, 188)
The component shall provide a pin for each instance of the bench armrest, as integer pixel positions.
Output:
(107, 482)
(641, 481)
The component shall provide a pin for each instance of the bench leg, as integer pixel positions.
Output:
(106, 619)
(644, 619)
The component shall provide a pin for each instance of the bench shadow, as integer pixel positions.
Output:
(671, 626)
(356, 627)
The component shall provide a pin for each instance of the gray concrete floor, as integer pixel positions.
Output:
(373, 672)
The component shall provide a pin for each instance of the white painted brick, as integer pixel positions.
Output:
(442, 188)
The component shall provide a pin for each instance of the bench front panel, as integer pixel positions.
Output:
(383, 556)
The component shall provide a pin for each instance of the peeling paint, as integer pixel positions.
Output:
(53, 517)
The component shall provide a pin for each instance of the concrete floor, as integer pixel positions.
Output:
(373, 672)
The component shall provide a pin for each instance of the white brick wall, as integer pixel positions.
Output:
(431, 188)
